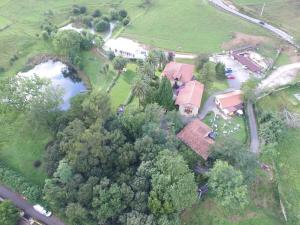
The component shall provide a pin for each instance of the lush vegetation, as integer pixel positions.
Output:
(9, 214)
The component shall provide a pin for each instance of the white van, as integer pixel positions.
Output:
(41, 210)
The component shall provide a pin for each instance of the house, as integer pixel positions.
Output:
(198, 136)
(189, 98)
(230, 103)
(126, 48)
(245, 59)
(179, 73)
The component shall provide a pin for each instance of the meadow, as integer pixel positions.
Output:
(194, 26)
(283, 13)
(287, 163)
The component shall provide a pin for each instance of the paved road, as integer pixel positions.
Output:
(21, 203)
(254, 145)
(280, 33)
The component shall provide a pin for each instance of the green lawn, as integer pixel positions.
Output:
(283, 13)
(21, 145)
(189, 26)
(4, 22)
(288, 160)
(121, 90)
(93, 65)
(223, 127)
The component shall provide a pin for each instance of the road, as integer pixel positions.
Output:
(254, 139)
(24, 205)
(280, 33)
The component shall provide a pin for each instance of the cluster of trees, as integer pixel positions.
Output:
(208, 72)
(69, 43)
(96, 19)
(109, 169)
(148, 87)
(9, 214)
(234, 168)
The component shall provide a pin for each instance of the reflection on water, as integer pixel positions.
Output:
(60, 76)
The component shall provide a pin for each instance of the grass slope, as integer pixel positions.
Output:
(284, 13)
(189, 26)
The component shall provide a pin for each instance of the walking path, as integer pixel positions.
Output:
(254, 139)
(24, 205)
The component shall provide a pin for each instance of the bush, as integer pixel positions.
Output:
(126, 21)
(97, 13)
(88, 21)
(82, 9)
(2, 70)
(111, 55)
(45, 35)
(105, 18)
(78, 9)
(37, 163)
(123, 13)
(102, 26)
(19, 184)
(114, 15)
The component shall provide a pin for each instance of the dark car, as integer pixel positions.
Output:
(261, 23)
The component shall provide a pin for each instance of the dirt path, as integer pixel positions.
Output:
(280, 77)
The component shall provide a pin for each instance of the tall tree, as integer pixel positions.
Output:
(119, 64)
(200, 61)
(248, 89)
(207, 75)
(164, 95)
(173, 185)
(67, 43)
(220, 71)
(228, 186)
(162, 59)
(139, 89)
(9, 214)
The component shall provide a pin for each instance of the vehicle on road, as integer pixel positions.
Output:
(42, 211)
(228, 70)
(261, 23)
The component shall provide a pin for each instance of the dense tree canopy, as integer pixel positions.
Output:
(9, 214)
(228, 186)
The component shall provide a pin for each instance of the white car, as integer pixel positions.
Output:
(41, 210)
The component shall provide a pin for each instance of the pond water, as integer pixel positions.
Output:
(61, 76)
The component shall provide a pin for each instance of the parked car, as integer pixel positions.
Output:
(228, 70)
(230, 77)
(42, 211)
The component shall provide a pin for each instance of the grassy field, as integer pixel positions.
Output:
(121, 90)
(284, 13)
(288, 160)
(192, 26)
(4, 22)
(20, 146)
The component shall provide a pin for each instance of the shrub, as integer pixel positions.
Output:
(123, 13)
(105, 18)
(37, 163)
(97, 13)
(102, 26)
(126, 21)
(2, 70)
(19, 184)
(82, 9)
(111, 55)
(45, 35)
(114, 15)
(88, 21)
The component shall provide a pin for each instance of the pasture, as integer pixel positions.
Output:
(288, 177)
(283, 13)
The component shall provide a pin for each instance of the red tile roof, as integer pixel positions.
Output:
(230, 100)
(247, 62)
(195, 135)
(190, 94)
(182, 72)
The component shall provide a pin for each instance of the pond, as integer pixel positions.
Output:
(61, 76)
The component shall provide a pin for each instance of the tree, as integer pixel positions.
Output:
(248, 89)
(67, 42)
(227, 184)
(76, 214)
(164, 95)
(97, 13)
(139, 89)
(119, 64)
(237, 155)
(123, 13)
(162, 59)
(173, 185)
(207, 75)
(105, 68)
(63, 172)
(102, 26)
(220, 71)
(9, 214)
(200, 61)
(152, 58)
